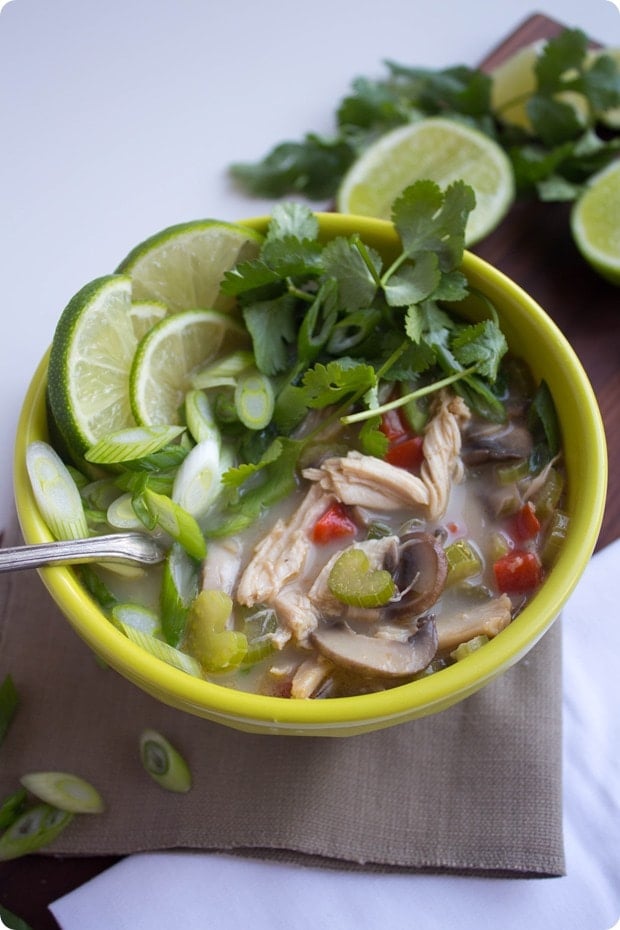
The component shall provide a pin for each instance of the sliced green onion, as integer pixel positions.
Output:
(164, 763)
(142, 618)
(176, 521)
(65, 791)
(9, 701)
(224, 371)
(159, 649)
(254, 399)
(134, 443)
(198, 481)
(353, 582)
(56, 493)
(121, 515)
(12, 807)
(36, 828)
(179, 587)
(463, 561)
(199, 416)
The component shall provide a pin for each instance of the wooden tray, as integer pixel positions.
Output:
(532, 246)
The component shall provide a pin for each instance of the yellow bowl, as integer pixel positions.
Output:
(532, 335)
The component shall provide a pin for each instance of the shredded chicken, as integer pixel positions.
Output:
(368, 482)
(221, 566)
(281, 555)
(442, 447)
(296, 613)
(486, 619)
(365, 481)
(310, 674)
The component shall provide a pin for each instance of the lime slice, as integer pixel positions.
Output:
(90, 359)
(170, 354)
(183, 265)
(145, 314)
(514, 81)
(595, 223)
(438, 149)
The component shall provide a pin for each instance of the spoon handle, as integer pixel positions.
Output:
(117, 547)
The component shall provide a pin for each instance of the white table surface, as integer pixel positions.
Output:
(120, 117)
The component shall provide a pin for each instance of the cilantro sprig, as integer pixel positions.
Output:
(342, 330)
(553, 161)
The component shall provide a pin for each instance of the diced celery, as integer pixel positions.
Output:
(555, 537)
(548, 496)
(515, 471)
(208, 639)
(463, 561)
(465, 649)
(354, 582)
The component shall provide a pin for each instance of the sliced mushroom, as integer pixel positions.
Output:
(486, 619)
(496, 443)
(420, 574)
(372, 655)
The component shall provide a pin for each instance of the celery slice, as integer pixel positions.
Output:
(463, 561)
(65, 791)
(353, 582)
(135, 442)
(162, 650)
(36, 828)
(164, 763)
(56, 493)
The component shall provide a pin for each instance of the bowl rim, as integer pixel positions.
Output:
(426, 695)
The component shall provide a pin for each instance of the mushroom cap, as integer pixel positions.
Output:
(420, 575)
(376, 655)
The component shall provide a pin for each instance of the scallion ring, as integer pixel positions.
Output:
(164, 763)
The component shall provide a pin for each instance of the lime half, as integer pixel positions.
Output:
(170, 354)
(438, 149)
(90, 359)
(595, 223)
(183, 266)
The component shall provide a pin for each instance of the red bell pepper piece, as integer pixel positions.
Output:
(335, 523)
(406, 454)
(526, 524)
(518, 571)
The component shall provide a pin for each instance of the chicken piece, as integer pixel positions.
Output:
(310, 674)
(442, 447)
(382, 553)
(368, 482)
(297, 615)
(486, 619)
(221, 566)
(365, 481)
(281, 555)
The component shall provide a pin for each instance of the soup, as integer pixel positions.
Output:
(360, 489)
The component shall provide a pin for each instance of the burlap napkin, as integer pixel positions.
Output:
(473, 790)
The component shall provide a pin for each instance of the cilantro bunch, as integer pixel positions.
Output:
(338, 329)
(552, 161)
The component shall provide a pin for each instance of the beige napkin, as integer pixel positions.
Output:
(475, 789)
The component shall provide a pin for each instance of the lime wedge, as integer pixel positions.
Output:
(183, 265)
(167, 357)
(595, 223)
(438, 149)
(90, 359)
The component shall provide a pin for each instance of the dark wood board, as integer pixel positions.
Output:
(533, 246)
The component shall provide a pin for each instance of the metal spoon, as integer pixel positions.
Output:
(117, 547)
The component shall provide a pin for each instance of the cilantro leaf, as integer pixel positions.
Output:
(327, 384)
(482, 344)
(292, 219)
(271, 324)
(429, 220)
(357, 274)
(413, 282)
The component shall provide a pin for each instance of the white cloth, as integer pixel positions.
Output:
(158, 890)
